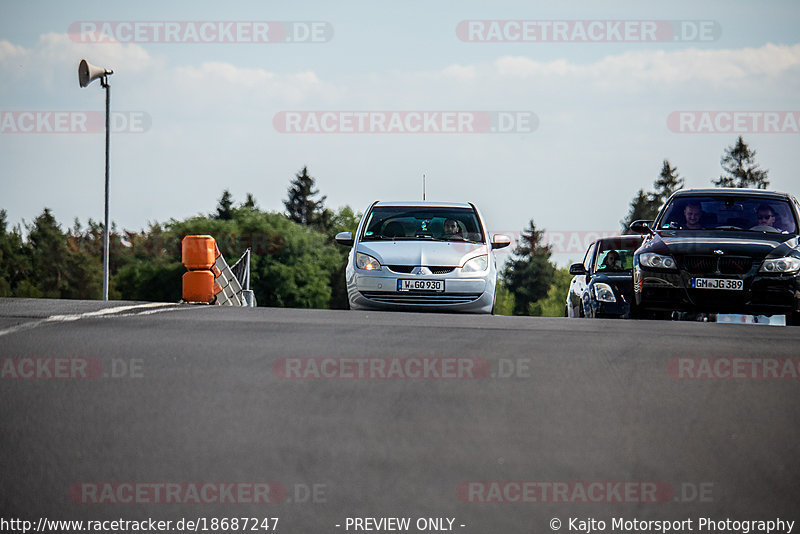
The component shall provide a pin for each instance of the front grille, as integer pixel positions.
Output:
(406, 269)
(734, 265)
(701, 264)
(717, 264)
(425, 299)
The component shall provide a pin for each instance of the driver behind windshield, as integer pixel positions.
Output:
(612, 262)
(452, 230)
(693, 213)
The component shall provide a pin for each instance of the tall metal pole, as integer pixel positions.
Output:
(106, 245)
(87, 74)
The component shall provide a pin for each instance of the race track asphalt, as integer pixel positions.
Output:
(500, 423)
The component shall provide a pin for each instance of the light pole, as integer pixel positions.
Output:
(87, 73)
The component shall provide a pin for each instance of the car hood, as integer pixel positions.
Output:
(415, 253)
(622, 280)
(752, 244)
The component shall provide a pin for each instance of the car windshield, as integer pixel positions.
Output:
(749, 213)
(423, 223)
(615, 256)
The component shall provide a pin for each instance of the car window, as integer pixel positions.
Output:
(423, 223)
(587, 259)
(728, 213)
(614, 259)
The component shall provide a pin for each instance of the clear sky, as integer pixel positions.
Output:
(199, 117)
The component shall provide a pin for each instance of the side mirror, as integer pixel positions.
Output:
(641, 227)
(500, 241)
(577, 268)
(345, 238)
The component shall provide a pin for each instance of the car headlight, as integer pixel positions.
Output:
(657, 261)
(780, 265)
(477, 264)
(603, 292)
(367, 262)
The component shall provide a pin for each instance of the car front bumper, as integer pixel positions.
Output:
(672, 291)
(461, 294)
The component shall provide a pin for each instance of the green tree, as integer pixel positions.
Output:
(301, 207)
(291, 265)
(14, 262)
(740, 168)
(529, 274)
(645, 205)
(503, 300)
(667, 183)
(344, 220)
(48, 255)
(225, 207)
(250, 202)
(553, 305)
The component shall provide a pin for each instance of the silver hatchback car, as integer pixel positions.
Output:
(434, 256)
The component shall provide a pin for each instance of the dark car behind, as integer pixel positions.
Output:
(602, 286)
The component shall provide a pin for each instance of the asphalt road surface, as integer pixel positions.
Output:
(131, 411)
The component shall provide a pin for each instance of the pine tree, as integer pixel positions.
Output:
(14, 264)
(642, 207)
(225, 207)
(530, 273)
(48, 255)
(645, 205)
(667, 183)
(250, 202)
(740, 168)
(300, 206)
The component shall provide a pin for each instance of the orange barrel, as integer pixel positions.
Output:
(198, 286)
(198, 252)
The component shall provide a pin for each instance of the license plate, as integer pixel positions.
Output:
(717, 283)
(420, 285)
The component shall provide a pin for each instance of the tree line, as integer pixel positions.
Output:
(295, 261)
(739, 169)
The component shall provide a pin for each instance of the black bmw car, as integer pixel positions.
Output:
(602, 286)
(721, 251)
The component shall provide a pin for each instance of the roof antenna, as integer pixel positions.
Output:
(423, 187)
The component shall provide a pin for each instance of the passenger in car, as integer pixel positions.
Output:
(765, 216)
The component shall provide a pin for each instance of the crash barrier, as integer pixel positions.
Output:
(209, 279)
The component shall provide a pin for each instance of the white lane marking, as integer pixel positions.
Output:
(99, 313)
